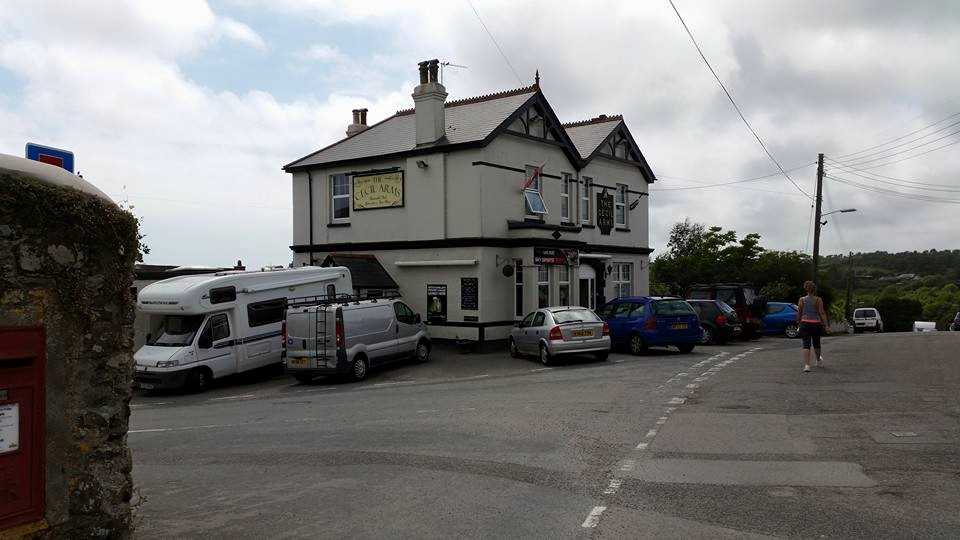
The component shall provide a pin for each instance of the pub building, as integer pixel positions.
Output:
(478, 210)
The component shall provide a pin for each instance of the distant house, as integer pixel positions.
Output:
(479, 210)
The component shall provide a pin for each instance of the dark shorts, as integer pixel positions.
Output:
(810, 333)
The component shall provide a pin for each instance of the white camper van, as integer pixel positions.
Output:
(207, 326)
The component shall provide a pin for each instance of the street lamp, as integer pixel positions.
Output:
(816, 235)
(841, 211)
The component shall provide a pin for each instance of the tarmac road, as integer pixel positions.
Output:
(728, 441)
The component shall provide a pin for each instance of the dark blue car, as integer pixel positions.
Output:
(780, 318)
(640, 322)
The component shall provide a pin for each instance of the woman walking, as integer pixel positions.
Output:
(812, 320)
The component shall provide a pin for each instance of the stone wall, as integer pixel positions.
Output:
(66, 263)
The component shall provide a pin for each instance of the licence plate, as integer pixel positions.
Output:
(679, 326)
(145, 386)
(299, 362)
(582, 333)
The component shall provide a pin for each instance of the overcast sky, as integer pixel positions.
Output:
(188, 109)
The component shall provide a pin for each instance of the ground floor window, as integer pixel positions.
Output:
(622, 279)
(563, 286)
(543, 286)
(518, 287)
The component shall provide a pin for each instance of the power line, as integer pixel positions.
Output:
(915, 139)
(735, 106)
(900, 137)
(728, 183)
(904, 180)
(806, 244)
(898, 184)
(893, 193)
(905, 158)
(858, 162)
(494, 40)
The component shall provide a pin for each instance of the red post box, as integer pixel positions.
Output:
(22, 426)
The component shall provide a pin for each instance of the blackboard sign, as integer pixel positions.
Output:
(469, 293)
(543, 256)
(605, 212)
(437, 303)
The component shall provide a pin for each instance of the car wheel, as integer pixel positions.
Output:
(545, 356)
(707, 336)
(303, 378)
(602, 356)
(358, 371)
(637, 346)
(685, 348)
(423, 351)
(198, 380)
(791, 331)
(514, 351)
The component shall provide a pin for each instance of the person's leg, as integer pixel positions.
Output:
(805, 336)
(816, 349)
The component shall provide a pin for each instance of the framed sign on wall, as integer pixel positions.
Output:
(437, 303)
(379, 190)
(604, 212)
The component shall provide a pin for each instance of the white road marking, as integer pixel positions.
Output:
(701, 379)
(547, 368)
(676, 400)
(312, 390)
(423, 411)
(594, 517)
(148, 430)
(395, 383)
(651, 434)
(137, 405)
(693, 385)
(642, 446)
(613, 487)
(244, 396)
(208, 426)
(628, 465)
(669, 410)
(662, 420)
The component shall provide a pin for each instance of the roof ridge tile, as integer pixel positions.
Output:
(479, 99)
(596, 120)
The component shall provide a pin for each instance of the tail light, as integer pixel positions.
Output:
(339, 328)
(651, 324)
(556, 334)
(606, 329)
(721, 320)
(283, 334)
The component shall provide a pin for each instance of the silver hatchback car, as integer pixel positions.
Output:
(555, 331)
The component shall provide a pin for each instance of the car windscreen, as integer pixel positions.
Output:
(727, 295)
(177, 330)
(700, 295)
(725, 307)
(574, 315)
(672, 307)
(864, 313)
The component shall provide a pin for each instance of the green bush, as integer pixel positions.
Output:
(899, 313)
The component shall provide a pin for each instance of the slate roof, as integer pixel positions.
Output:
(588, 134)
(468, 120)
(365, 270)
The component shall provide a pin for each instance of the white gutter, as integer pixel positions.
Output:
(291, 283)
(451, 262)
(595, 256)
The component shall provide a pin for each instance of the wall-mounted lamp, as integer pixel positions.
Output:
(422, 164)
(609, 269)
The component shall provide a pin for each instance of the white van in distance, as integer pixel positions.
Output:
(350, 337)
(206, 326)
(867, 319)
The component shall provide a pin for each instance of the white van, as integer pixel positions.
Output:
(924, 326)
(350, 337)
(206, 326)
(867, 319)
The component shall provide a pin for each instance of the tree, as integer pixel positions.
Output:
(899, 313)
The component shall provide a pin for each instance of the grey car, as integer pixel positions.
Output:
(556, 331)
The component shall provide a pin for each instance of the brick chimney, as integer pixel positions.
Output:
(428, 98)
(359, 122)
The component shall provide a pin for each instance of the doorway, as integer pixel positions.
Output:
(588, 286)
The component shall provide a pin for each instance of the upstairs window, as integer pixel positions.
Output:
(620, 206)
(339, 198)
(565, 198)
(585, 189)
(533, 195)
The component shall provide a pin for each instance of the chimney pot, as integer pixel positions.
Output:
(429, 98)
(363, 117)
(359, 122)
(433, 66)
(423, 72)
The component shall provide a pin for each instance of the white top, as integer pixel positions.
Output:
(49, 174)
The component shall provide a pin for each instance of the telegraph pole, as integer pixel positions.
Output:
(818, 217)
(850, 273)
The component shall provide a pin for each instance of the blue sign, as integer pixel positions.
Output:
(51, 156)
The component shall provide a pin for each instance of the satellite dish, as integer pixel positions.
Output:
(507, 270)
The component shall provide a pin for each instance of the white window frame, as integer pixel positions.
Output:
(621, 285)
(566, 198)
(585, 190)
(563, 272)
(618, 205)
(334, 197)
(542, 271)
(518, 288)
(535, 187)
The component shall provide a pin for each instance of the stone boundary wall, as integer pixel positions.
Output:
(66, 263)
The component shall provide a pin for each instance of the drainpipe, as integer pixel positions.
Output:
(310, 211)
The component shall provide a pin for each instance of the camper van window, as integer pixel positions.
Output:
(331, 291)
(266, 312)
(219, 327)
(177, 330)
(223, 294)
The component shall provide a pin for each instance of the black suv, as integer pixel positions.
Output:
(742, 297)
(718, 320)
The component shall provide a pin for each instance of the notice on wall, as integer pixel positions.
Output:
(9, 427)
(469, 293)
(604, 212)
(383, 190)
(437, 303)
(543, 256)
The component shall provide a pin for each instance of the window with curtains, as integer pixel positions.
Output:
(543, 286)
(518, 287)
(563, 286)
(622, 279)
(566, 198)
(339, 198)
(586, 188)
(620, 206)
(532, 195)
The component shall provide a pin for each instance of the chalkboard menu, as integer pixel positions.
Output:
(604, 212)
(469, 293)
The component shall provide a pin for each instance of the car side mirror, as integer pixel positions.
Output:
(149, 337)
(205, 341)
(417, 319)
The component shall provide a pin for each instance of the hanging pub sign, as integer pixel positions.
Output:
(469, 293)
(437, 303)
(380, 190)
(543, 256)
(605, 212)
